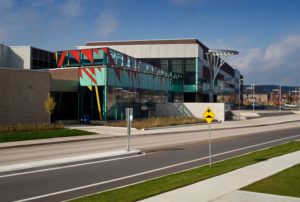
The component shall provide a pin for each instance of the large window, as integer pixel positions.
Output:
(41, 59)
(176, 65)
(190, 72)
(98, 57)
(164, 65)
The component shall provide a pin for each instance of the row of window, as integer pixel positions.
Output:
(185, 66)
(41, 59)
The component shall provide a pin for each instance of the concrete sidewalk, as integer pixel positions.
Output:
(112, 132)
(224, 187)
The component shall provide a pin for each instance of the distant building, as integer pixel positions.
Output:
(270, 95)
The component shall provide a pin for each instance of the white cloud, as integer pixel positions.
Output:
(277, 63)
(72, 8)
(106, 24)
(278, 53)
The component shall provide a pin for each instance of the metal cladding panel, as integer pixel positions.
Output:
(155, 51)
(92, 76)
(159, 51)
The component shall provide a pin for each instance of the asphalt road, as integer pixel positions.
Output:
(76, 180)
(145, 142)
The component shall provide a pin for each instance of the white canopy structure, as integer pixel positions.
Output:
(216, 58)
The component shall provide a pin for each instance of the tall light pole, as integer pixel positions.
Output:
(279, 90)
(240, 97)
(253, 98)
(280, 99)
(252, 91)
(297, 91)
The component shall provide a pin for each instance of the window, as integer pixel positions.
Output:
(164, 65)
(176, 65)
(190, 72)
(190, 65)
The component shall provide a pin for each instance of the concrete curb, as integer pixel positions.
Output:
(112, 137)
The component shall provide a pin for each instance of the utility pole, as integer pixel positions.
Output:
(280, 98)
(253, 98)
(279, 92)
(240, 97)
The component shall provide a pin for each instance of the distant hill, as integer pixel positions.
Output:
(264, 89)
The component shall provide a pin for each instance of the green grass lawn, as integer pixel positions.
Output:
(43, 134)
(285, 183)
(163, 184)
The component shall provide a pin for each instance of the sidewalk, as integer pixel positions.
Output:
(111, 132)
(224, 187)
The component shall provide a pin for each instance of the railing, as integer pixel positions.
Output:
(107, 56)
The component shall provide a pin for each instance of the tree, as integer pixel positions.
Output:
(49, 104)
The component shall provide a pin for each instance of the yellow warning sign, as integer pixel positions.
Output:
(208, 115)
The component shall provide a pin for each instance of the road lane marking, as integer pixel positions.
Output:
(152, 171)
(70, 166)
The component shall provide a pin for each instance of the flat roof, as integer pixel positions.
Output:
(147, 42)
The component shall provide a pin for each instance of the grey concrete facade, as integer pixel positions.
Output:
(20, 57)
(189, 110)
(4, 55)
(17, 57)
(22, 96)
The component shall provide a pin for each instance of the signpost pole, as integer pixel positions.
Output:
(209, 116)
(129, 118)
(209, 145)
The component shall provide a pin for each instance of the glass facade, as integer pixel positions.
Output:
(41, 59)
(111, 81)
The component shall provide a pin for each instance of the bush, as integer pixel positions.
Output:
(156, 122)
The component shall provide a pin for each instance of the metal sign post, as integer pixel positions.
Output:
(209, 145)
(209, 116)
(129, 118)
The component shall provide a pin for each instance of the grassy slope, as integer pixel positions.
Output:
(19, 136)
(285, 183)
(173, 181)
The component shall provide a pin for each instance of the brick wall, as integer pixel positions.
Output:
(22, 96)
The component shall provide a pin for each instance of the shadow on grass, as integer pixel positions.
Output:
(260, 159)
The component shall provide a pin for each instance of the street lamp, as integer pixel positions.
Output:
(240, 97)
(279, 90)
(252, 88)
(298, 91)
(216, 58)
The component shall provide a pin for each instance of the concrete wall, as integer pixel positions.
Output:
(22, 96)
(4, 55)
(20, 57)
(189, 109)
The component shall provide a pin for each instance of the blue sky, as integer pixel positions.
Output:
(265, 32)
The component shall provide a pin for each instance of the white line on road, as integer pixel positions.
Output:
(71, 166)
(150, 171)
